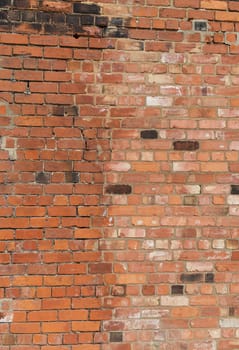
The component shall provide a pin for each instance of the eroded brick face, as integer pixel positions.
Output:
(119, 175)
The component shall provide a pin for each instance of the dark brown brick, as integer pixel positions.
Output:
(209, 277)
(28, 16)
(118, 189)
(72, 177)
(186, 145)
(59, 18)
(116, 21)
(116, 337)
(43, 17)
(116, 33)
(234, 189)
(43, 178)
(149, 134)
(87, 20)
(21, 3)
(192, 277)
(73, 20)
(86, 8)
(14, 15)
(177, 289)
(55, 29)
(102, 21)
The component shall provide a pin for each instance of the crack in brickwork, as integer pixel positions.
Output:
(119, 175)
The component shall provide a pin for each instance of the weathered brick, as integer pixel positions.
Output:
(119, 189)
(177, 289)
(116, 337)
(43, 178)
(118, 174)
(193, 277)
(186, 145)
(149, 134)
(86, 8)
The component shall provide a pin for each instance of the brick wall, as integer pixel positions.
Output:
(119, 175)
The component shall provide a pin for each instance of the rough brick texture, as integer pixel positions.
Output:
(119, 175)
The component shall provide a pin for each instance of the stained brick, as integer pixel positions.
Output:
(72, 177)
(209, 277)
(86, 8)
(116, 337)
(87, 20)
(43, 177)
(192, 277)
(186, 145)
(234, 189)
(177, 289)
(149, 134)
(118, 189)
(118, 174)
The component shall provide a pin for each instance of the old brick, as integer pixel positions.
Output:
(190, 200)
(116, 33)
(116, 337)
(149, 134)
(186, 145)
(118, 290)
(21, 3)
(28, 16)
(177, 289)
(118, 174)
(43, 178)
(209, 277)
(118, 189)
(72, 176)
(43, 17)
(87, 20)
(86, 8)
(101, 21)
(234, 189)
(59, 18)
(192, 277)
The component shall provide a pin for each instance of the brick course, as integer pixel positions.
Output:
(119, 175)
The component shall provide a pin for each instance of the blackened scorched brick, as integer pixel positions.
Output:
(86, 8)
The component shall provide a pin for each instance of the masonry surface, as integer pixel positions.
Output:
(119, 175)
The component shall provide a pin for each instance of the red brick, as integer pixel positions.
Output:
(25, 328)
(87, 326)
(85, 268)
